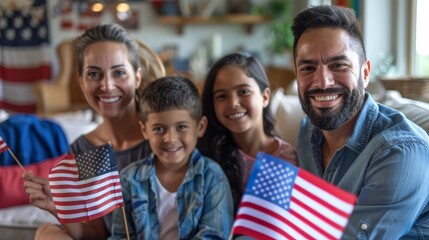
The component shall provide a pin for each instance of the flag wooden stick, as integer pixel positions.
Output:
(126, 223)
(16, 159)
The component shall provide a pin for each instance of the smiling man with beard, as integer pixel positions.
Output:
(347, 139)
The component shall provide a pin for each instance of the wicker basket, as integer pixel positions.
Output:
(409, 87)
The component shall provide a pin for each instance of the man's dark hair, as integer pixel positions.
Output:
(171, 93)
(328, 16)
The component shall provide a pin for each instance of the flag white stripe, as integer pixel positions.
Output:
(322, 194)
(315, 220)
(287, 215)
(25, 57)
(82, 182)
(89, 213)
(3, 145)
(91, 204)
(18, 92)
(87, 196)
(63, 175)
(333, 216)
(62, 167)
(73, 189)
(252, 225)
(270, 219)
(63, 161)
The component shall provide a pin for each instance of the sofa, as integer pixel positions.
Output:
(21, 221)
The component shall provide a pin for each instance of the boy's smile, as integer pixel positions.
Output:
(172, 135)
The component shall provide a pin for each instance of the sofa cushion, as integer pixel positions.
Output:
(288, 113)
(25, 216)
(31, 139)
(416, 111)
(12, 190)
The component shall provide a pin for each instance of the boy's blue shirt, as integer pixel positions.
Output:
(204, 199)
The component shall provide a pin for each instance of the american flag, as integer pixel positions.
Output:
(282, 201)
(3, 145)
(25, 55)
(86, 186)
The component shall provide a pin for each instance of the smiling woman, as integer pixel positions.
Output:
(111, 83)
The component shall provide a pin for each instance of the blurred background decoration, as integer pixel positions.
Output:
(279, 32)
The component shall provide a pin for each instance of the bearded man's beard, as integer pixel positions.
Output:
(327, 118)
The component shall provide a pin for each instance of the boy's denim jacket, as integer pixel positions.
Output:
(204, 201)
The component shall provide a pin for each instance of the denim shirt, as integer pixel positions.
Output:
(384, 162)
(204, 200)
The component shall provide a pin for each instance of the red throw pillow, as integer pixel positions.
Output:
(12, 191)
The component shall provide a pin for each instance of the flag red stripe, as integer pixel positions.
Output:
(117, 200)
(319, 215)
(312, 225)
(321, 201)
(265, 224)
(275, 215)
(3, 145)
(21, 108)
(64, 164)
(251, 232)
(78, 185)
(26, 75)
(66, 24)
(116, 188)
(328, 187)
(80, 202)
(89, 218)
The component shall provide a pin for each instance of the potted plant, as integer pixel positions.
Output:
(279, 31)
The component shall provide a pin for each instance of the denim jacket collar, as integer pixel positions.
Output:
(194, 167)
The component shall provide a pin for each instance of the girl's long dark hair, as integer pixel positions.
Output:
(217, 142)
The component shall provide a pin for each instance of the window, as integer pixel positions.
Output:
(422, 39)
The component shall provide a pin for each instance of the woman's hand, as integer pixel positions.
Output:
(39, 192)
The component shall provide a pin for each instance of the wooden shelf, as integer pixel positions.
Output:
(247, 20)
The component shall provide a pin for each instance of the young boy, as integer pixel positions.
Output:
(175, 193)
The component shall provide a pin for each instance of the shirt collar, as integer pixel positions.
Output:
(195, 166)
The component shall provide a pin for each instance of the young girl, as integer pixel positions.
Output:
(236, 101)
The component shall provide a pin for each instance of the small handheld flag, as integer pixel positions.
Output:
(3, 145)
(282, 201)
(86, 186)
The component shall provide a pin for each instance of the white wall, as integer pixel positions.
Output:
(157, 36)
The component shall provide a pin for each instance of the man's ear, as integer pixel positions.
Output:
(143, 130)
(365, 72)
(202, 126)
